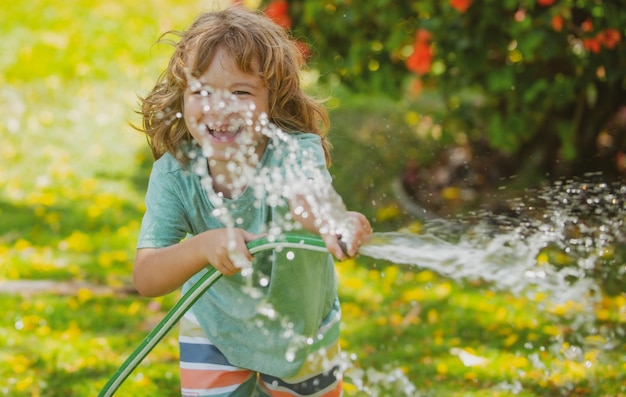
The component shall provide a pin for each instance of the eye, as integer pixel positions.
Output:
(201, 91)
(241, 93)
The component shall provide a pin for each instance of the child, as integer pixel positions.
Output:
(225, 175)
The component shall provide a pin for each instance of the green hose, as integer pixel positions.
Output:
(307, 242)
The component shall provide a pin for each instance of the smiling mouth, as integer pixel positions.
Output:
(224, 134)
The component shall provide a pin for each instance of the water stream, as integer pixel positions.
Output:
(565, 242)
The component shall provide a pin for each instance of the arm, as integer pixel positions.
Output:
(158, 271)
(315, 204)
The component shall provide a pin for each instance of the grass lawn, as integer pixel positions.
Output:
(72, 179)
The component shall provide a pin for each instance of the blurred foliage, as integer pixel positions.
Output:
(372, 141)
(538, 80)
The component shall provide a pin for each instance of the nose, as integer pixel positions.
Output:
(220, 102)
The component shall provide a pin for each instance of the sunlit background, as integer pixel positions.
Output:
(73, 173)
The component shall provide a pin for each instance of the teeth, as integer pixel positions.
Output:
(222, 129)
(224, 132)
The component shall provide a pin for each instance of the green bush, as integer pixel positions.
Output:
(538, 80)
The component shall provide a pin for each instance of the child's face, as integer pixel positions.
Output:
(223, 106)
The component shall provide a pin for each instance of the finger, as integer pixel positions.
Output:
(240, 259)
(353, 249)
(247, 236)
(238, 254)
(365, 226)
(333, 247)
(228, 269)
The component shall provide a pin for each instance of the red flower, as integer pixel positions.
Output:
(460, 5)
(278, 11)
(545, 3)
(423, 36)
(587, 25)
(610, 37)
(593, 44)
(557, 23)
(421, 58)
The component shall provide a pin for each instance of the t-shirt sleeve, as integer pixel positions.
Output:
(312, 158)
(164, 222)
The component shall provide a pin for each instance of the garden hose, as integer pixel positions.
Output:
(307, 242)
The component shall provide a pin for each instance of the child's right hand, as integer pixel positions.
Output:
(342, 249)
(226, 249)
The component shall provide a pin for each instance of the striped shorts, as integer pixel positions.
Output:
(204, 371)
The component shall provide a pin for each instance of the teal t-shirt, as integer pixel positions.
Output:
(272, 320)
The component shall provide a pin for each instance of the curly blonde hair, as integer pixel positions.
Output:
(248, 36)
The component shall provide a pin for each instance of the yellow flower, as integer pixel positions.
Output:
(451, 193)
(134, 308)
(46, 199)
(411, 118)
(396, 319)
(470, 375)
(551, 330)
(425, 276)
(413, 227)
(432, 316)
(543, 259)
(519, 362)
(88, 185)
(106, 259)
(390, 276)
(352, 283)
(141, 380)
(19, 363)
(510, 340)
(21, 244)
(388, 212)
(413, 294)
(349, 388)
(24, 383)
(603, 314)
(72, 332)
(442, 290)
(83, 295)
(78, 241)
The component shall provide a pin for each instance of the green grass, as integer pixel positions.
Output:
(72, 179)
